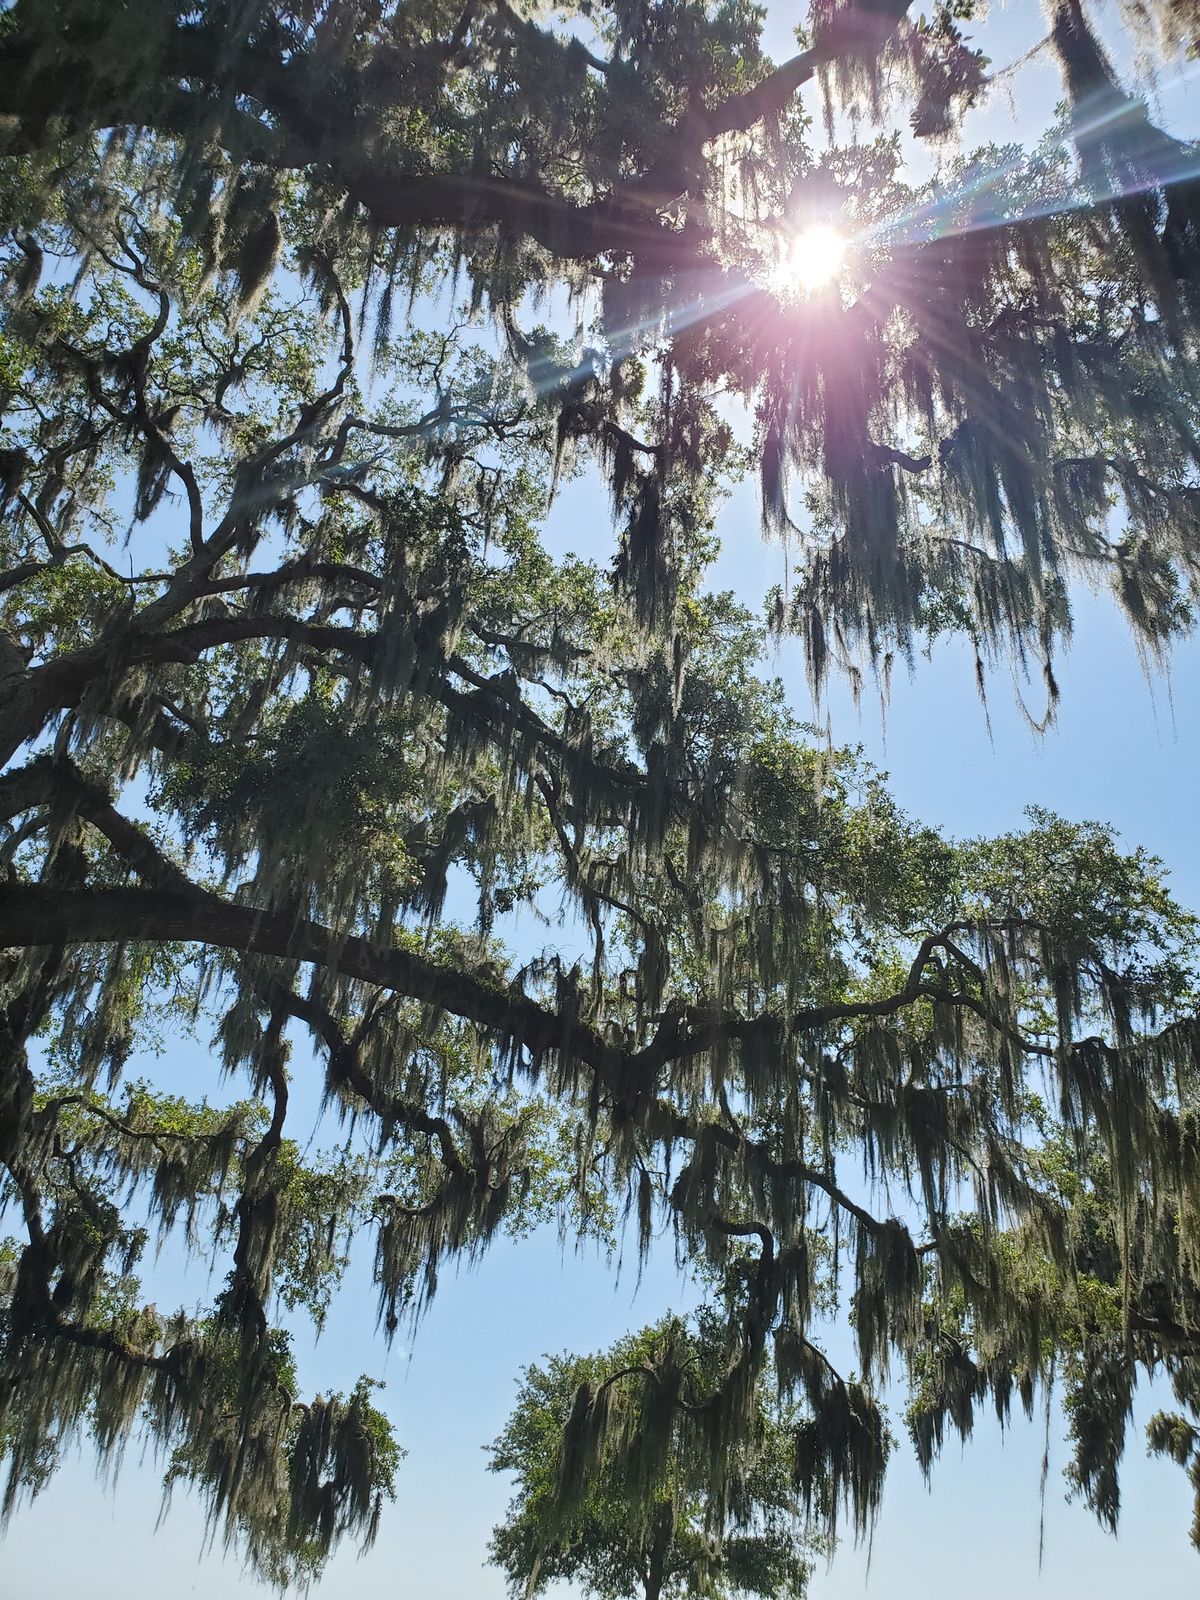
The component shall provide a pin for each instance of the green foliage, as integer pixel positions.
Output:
(299, 713)
(623, 1530)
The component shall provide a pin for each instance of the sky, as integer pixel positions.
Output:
(1123, 750)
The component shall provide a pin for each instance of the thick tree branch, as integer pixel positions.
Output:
(35, 915)
(306, 127)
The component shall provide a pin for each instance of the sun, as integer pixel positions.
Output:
(810, 259)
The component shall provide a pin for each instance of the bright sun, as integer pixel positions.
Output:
(811, 259)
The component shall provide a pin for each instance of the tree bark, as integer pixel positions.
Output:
(660, 1549)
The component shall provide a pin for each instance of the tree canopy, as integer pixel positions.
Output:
(269, 341)
(642, 1522)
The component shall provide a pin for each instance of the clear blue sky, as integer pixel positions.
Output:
(1123, 750)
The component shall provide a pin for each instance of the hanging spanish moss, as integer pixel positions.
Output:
(299, 714)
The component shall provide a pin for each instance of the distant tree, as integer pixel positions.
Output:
(646, 1523)
(296, 711)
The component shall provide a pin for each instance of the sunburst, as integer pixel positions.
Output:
(809, 260)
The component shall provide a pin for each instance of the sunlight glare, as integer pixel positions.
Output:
(811, 259)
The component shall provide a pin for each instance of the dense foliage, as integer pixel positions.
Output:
(637, 1519)
(298, 712)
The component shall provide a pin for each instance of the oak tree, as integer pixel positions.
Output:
(644, 1522)
(297, 713)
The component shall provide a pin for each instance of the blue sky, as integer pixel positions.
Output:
(1123, 750)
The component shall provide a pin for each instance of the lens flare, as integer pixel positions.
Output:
(810, 259)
